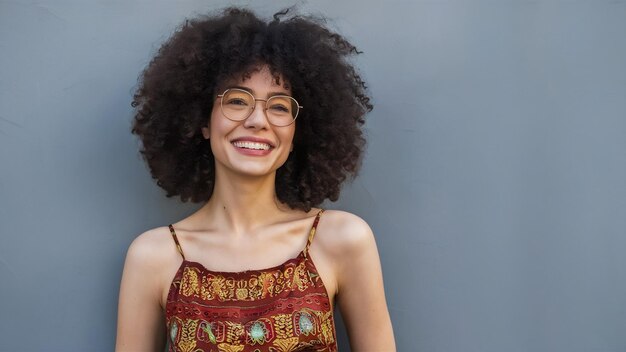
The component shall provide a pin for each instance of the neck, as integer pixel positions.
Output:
(241, 204)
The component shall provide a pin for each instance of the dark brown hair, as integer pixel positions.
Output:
(175, 95)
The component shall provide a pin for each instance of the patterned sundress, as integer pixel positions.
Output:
(280, 309)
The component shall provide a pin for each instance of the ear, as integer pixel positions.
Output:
(206, 132)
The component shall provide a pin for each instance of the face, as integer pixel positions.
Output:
(253, 146)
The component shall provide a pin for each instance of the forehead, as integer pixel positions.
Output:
(259, 80)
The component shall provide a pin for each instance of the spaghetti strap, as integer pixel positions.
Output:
(312, 232)
(180, 249)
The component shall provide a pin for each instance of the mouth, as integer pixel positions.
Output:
(252, 145)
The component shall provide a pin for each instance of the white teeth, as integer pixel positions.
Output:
(251, 145)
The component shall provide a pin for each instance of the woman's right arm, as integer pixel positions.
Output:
(140, 320)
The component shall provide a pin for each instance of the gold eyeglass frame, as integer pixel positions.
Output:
(221, 96)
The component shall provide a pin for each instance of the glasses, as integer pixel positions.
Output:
(238, 104)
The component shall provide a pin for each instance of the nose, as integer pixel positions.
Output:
(258, 117)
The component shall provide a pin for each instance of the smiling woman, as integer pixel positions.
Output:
(261, 122)
(238, 131)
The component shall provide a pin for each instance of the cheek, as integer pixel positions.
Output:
(219, 126)
(289, 134)
(217, 133)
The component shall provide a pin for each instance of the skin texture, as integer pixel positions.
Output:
(243, 226)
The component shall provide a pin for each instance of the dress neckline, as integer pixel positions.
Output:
(302, 255)
(202, 267)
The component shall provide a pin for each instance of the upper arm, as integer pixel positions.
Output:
(140, 321)
(361, 294)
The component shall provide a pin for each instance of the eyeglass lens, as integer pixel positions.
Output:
(281, 110)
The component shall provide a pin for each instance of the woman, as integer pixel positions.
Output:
(261, 122)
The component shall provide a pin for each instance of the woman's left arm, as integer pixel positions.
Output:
(360, 291)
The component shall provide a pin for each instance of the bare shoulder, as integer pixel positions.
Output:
(152, 249)
(358, 282)
(343, 232)
(142, 289)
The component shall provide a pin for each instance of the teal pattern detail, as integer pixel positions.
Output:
(173, 331)
(257, 333)
(306, 325)
(206, 327)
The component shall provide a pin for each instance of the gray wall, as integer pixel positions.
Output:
(495, 177)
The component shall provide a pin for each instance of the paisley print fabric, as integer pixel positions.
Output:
(280, 309)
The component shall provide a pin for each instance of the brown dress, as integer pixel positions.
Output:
(280, 309)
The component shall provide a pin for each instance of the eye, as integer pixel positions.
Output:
(237, 101)
(279, 105)
(279, 108)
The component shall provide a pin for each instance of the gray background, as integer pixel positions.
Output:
(495, 178)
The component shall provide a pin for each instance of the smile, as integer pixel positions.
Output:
(251, 145)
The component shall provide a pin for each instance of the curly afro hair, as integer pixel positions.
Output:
(175, 95)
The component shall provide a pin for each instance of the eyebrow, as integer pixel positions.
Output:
(269, 94)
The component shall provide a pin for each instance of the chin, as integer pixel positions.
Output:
(250, 169)
(255, 167)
